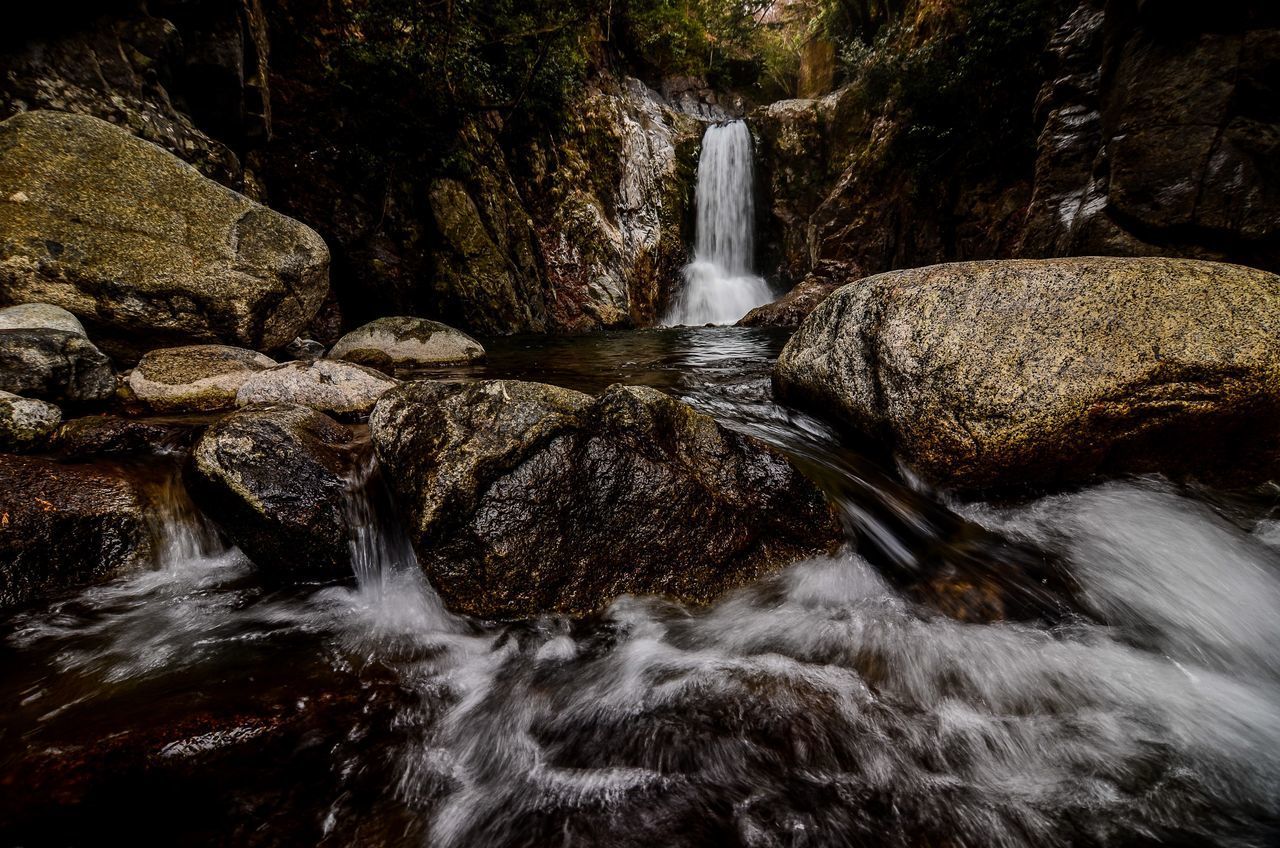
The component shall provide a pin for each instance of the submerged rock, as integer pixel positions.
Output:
(40, 316)
(54, 365)
(141, 247)
(339, 388)
(63, 526)
(274, 478)
(405, 342)
(194, 378)
(524, 498)
(995, 374)
(24, 423)
(792, 308)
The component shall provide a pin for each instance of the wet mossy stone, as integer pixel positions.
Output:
(64, 526)
(524, 499)
(274, 478)
(403, 342)
(141, 247)
(26, 424)
(1006, 374)
(194, 378)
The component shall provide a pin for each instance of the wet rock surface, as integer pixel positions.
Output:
(991, 374)
(274, 478)
(26, 424)
(63, 526)
(136, 242)
(194, 378)
(342, 389)
(116, 436)
(54, 365)
(793, 307)
(524, 499)
(399, 342)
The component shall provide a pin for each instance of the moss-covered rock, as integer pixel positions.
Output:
(141, 247)
(399, 342)
(194, 378)
(995, 374)
(524, 498)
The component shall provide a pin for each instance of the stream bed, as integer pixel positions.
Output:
(1130, 695)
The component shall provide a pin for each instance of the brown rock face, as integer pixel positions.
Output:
(524, 499)
(63, 526)
(139, 69)
(996, 374)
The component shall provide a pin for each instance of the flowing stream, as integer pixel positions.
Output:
(1131, 698)
(719, 285)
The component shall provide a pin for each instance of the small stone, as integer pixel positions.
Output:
(26, 424)
(54, 365)
(40, 316)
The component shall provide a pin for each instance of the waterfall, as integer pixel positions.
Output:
(719, 286)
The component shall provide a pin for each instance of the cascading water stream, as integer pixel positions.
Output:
(198, 701)
(719, 286)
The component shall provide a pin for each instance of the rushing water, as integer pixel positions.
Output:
(1136, 703)
(719, 285)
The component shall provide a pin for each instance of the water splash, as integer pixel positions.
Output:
(719, 286)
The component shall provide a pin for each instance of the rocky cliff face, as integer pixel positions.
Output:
(1158, 132)
(188, 76)
(576, 228)
(1161, 134)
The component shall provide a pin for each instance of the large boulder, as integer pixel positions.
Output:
(26, 423)
(54, 365)
(194, 378)
(141, 247)
(275, 480)
(339, 388)
(993, 374)
(404, 342)
(63, 526)
(525, 499)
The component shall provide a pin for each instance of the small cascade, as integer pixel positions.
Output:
(182, 533)
(719, 285)
(380, 548)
